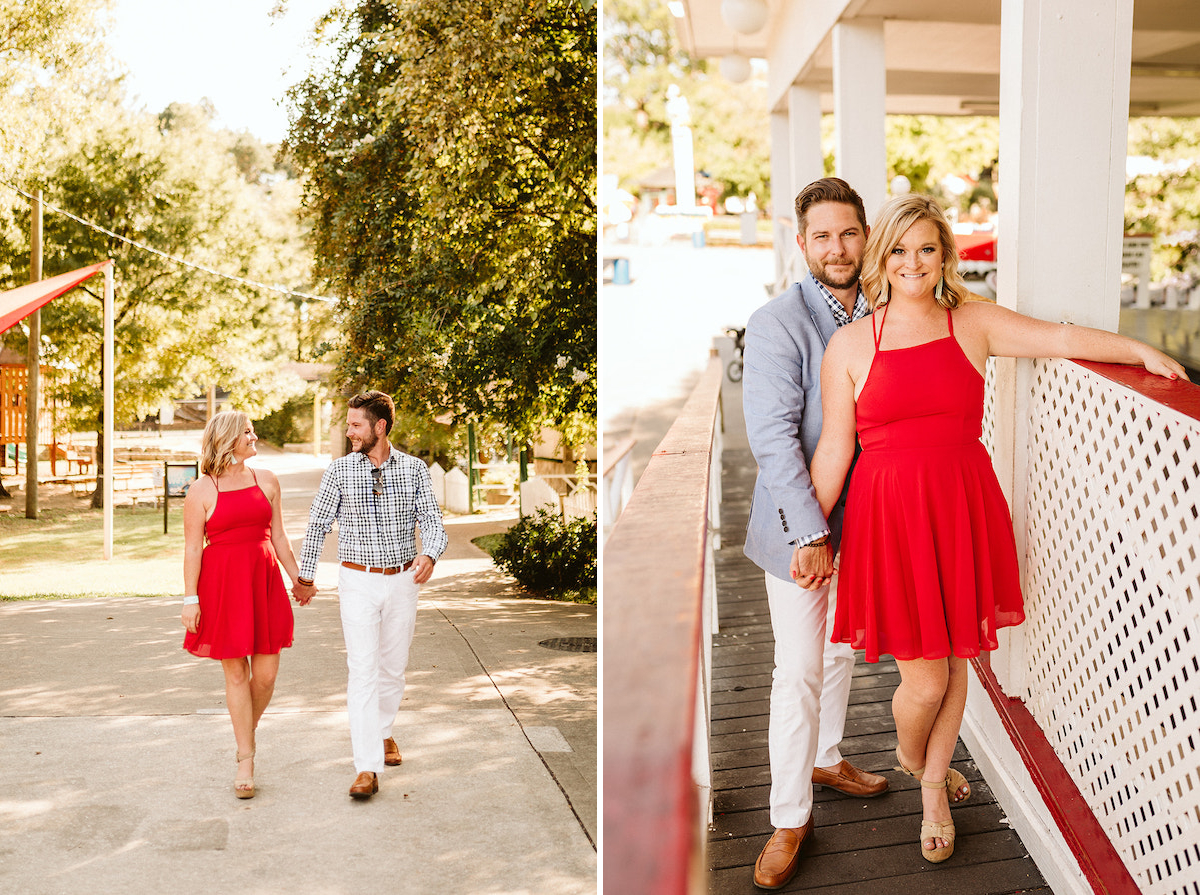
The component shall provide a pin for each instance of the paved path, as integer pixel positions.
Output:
(118, 754)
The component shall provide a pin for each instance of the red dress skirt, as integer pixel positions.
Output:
(244, 607)
(929, 563)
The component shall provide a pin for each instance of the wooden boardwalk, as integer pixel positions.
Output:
(859, 846)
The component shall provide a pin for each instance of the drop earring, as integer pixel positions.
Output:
(937, 290)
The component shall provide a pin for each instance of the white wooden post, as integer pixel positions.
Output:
(781, 189)
(804, 128)
(109, 408)
(456, 491)
(437, 476)
(859, 93)
(1062, 153)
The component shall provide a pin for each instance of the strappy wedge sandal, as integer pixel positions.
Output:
(244, 789)
(934, 829)
(954, 780)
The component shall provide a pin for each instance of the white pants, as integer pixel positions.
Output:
(379, 616)
(809, 690)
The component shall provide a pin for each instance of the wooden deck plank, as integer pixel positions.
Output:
(859, 845)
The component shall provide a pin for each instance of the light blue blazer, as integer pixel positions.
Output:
(781, 395)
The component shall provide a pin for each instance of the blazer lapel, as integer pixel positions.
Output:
(818, 310)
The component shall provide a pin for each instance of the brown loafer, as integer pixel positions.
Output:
(781, 856)
(850, 780)
(391, 753)
(365, 785)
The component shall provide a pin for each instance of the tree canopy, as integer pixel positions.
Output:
(450, 155)
(642, 58)
(171, 182)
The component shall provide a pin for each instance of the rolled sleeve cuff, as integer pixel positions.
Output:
(804, 542)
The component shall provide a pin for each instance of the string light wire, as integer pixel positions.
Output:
(242, 281)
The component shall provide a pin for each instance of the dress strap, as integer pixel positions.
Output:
(215, 485)
(950, 322)
(879, 333)
(253, 474)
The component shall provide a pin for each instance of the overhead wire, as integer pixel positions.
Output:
(242, 281)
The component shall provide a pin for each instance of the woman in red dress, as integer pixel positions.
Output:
(236, 608)
(929, 566)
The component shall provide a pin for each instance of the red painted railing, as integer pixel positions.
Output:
(653, 625)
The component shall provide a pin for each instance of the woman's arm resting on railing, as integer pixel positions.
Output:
(1009, 334)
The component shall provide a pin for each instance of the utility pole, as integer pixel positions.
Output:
(33, 377)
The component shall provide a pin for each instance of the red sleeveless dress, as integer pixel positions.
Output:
(244, 607)
(929, 563)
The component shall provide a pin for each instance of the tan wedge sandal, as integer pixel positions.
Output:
(244, 789)
(933, 829)
(954, 780)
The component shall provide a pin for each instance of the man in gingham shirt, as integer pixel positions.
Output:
(379, 497)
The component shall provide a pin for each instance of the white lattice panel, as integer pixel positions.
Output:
(1112, 591)
(989, 407)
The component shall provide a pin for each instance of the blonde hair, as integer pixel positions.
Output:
(220, 440)
(892, 222)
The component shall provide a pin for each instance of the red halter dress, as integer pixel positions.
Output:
(244, 607)
(929, 564)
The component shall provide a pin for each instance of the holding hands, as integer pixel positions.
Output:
(812, 565)
(303, 593)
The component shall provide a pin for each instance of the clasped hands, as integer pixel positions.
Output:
(812, 565)
(303, 593)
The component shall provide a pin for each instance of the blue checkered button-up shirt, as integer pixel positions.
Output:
(374, 529)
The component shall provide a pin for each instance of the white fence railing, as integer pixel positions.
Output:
(1113, 604)
(1108, 661)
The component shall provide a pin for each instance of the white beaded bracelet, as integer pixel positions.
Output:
(191, 599)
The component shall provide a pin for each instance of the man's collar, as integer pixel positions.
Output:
(859, 309)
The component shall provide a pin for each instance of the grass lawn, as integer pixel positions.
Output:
(488, 543)
(61, 554)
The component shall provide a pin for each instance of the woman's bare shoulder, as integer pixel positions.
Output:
(853, 336)
(201, 491)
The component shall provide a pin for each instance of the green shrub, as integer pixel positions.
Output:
(549, 555)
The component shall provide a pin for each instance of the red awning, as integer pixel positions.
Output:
(16, 304)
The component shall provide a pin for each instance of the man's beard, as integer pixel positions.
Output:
(819, 271)
(365, 446)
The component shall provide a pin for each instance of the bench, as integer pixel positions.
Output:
(83, 461)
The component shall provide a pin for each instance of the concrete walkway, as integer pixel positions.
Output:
(118, 754)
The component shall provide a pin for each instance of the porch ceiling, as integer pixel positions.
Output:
(944, 58)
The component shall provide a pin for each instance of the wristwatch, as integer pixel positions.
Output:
(819, 542)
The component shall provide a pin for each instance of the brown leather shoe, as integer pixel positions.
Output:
(391, 753)
(850, 780)
(781, 856)
(365, 785)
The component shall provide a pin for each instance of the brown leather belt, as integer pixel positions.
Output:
(394, 570)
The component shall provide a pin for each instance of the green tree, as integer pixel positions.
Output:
(170, 182)
(1164, 198)
(642, 59)
(48, 75)
(450, 154)
(927, 148)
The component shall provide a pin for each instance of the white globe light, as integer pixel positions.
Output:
(900, 185)
(744, 16)
(735, 68)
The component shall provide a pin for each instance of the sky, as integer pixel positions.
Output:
(230, 51)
